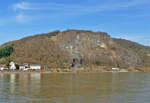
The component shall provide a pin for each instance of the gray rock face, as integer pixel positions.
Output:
(79, 43)
(96, 47)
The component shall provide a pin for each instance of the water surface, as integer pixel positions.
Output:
(75, 88)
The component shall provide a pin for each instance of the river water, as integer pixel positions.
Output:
(75, 88)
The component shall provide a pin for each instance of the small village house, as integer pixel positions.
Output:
(2, 67)
(23, 67)
(35, 67)
(12, 66)
(115, 69)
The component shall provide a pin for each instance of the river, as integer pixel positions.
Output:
(75, 88)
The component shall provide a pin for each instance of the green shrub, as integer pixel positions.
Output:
(5, 61)
(98, 63)
(6, 51)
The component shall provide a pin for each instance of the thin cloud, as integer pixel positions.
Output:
(21, 18)
(22, 6)
(59, 9)
(97, 7)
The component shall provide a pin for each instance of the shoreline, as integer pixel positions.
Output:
(70, 72)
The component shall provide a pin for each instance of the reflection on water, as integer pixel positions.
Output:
(75, 88)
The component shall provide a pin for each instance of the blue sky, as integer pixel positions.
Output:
(128, 19)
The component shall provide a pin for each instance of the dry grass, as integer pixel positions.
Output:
(144, 69)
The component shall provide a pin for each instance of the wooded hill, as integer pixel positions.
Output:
(58, 49)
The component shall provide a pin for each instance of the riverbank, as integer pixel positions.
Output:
(93, 69)
(61, 72)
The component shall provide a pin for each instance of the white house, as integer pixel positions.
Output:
(12, 66)
(1, 68)
(116, 69)
(23, 67)
(35, 67)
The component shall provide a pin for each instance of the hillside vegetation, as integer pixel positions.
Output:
(58, 49)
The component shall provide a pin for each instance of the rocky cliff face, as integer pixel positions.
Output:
(98, 48)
